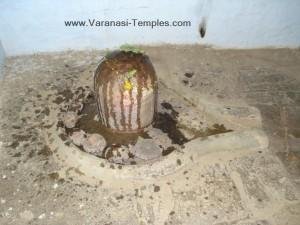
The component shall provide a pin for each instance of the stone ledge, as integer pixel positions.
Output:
(234, 144)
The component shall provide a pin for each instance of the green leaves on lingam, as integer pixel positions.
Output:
(131, 48)
(130, 73)
(126, 48)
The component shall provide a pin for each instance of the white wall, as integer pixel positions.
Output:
(28, 26)
(2, 58)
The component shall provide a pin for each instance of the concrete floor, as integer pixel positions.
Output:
(242, 89)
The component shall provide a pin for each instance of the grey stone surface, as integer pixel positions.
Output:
(94, 143)
(118, 154)
(146, 149)
(78, 137)
(70, 119)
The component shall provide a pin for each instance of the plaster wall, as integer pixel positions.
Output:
(28, 26)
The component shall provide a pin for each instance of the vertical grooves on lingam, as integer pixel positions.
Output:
(123, 122)
(139, 98)
(130, 110)
(112, 105)
(126, 91)
(105, 106)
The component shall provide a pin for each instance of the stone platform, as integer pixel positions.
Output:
(247, 176)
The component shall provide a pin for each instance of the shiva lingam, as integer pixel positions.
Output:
(126, 91)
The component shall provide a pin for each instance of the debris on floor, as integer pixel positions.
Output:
(229, 91)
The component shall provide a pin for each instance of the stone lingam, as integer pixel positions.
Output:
(125, 85)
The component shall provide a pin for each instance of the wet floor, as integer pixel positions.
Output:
(166, 120)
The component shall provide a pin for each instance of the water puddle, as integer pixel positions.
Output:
(165, 120)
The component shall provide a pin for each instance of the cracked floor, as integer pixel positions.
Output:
(258, 187)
